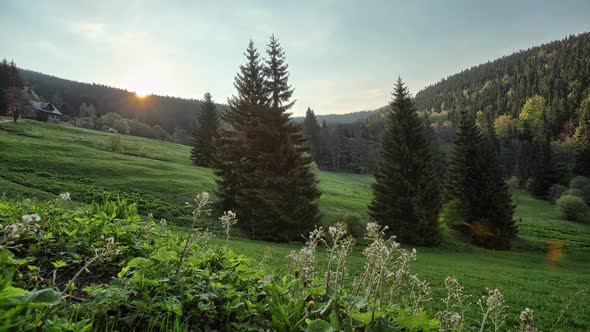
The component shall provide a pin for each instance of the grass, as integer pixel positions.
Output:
(42, 160)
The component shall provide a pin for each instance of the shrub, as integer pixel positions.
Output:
(582, 183)
(452, 214)
(513, 183)
(356, 225)
(115, 143)
(573, 192)
(556, 191)
(572, 208)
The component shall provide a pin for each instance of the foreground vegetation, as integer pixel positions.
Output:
(103, 267)
(546, 267)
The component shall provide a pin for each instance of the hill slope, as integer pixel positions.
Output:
(48, 159)
(67, 95)
(559, 71)
(42, 160)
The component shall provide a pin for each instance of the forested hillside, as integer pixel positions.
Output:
(558, 71)
(168, 112)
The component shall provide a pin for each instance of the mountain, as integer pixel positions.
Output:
(336, 119)
(67, 95)
(559, 71)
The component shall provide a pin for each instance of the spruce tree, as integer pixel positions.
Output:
(406, 194)
(205, 133)
(474, 176)
(582, 140)
(311, 130)
(542, 175)
(265, 166)
(234, 156)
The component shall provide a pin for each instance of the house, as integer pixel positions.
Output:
(46, 110)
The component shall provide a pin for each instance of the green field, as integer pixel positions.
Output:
(42, 160)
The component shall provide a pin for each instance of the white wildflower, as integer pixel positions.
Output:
(64, 197)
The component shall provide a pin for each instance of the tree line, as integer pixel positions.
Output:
(169, 113)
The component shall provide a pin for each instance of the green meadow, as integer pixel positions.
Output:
(549, 262)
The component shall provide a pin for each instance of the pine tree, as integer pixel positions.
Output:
(406, 193)
(582, 140)
(311, 130)
(277, 77)
(542, 176)
(264, 166)
(234, 156)
(474, 176)
(205, 133)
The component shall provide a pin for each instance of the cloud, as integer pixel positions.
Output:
(48, 47)
(90, 30)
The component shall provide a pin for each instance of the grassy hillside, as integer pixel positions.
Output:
(42, 160)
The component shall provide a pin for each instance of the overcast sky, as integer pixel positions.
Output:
(344, 55)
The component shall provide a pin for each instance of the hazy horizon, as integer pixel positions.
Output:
(343, 56)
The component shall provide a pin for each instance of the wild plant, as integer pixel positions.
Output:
(493, 308)
(337, 269)
(64, 198)
(228, 219)
(303, 261)
(108, 251)
(12, 232)
(418, 294)
(526, 321)
(453, 317)
(377, 275)
(266, 257)
(198, 208)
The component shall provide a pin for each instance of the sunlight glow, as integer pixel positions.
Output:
(147, 79)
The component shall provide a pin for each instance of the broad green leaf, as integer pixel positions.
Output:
(163, 255)
(11, 291)
(319, 325)
(42, 296)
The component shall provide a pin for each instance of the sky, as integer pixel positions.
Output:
(344, 56)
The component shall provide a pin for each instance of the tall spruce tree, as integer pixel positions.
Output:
(542, 175)
(406, 194)
(264, 167)
(311, 130)
(474, 176)
(582, 140)
(205, 133)
(232, 162)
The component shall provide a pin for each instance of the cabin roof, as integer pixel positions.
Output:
(45, 107)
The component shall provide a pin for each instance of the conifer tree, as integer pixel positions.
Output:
(276, 84)
(474, 176)
(205, 133)
(582, 140)
(234, 156)
(406, 194)
(542, 175)
(265, 167)
(311, 130)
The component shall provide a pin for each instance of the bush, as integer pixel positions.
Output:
(582, 183)
(573, 192)
(556, 191)
(452, 214)
(513, 183)
(115, 143)
(356, 225)
(572, 208)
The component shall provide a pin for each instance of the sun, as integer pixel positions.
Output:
(146, 80)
